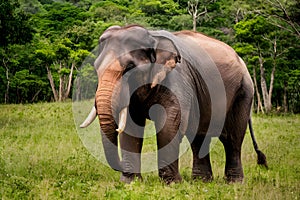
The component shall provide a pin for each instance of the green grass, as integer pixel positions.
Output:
(43, 157)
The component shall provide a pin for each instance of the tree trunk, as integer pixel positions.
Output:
(78, 89)
(69, 81)
(285, 105)
(60, 83)
(259, 104)
(237, 15)
(52, 84)
(271, 86)
(264, 88)
(273, 71)
(6, 95)
(194, 23)
(35, 95)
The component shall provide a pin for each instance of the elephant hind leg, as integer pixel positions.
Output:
(233, 166)
(233, 136)
(201, 160)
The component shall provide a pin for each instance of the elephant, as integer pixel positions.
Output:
(189, 84)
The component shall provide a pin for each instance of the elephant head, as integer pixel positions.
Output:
(121, 50)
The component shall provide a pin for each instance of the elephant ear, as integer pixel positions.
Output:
(166, 54)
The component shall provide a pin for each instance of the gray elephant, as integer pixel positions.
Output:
(187, 83)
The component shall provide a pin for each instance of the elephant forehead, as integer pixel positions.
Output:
(130, 40)
(107, 59)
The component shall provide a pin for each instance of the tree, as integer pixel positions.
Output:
(60, 59)
(180, 22)
(31, 6)
(272, 47)
(252, 31)
(37, 35)
(27, 86)
(294, 91)
(57, 19)
(285, 15)
(14, 29)
(194, 11)
(109, 11)
(157, 13)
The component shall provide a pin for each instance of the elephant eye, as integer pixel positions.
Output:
(129, 66)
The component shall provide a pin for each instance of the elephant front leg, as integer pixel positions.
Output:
(167, 118)
(131, 157)
(168, 143)
(168, 152)
(201, 158)
(131, 147)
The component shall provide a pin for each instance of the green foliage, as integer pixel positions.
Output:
(31, 6)
(45, 52)
(87, 77)
(40, 33)
(180, 22)
(27, 86)
(159, 13)
(109, 11)
(43, 157)
(294, 90)
(165, 7)
(244, 49)
(251, 30)
(261, 36)
(58, 18)
(14, 24)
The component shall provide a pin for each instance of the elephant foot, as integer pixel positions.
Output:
(202, 172)
(234, 175)
(129, 177)
(206, 178)
(170, 178)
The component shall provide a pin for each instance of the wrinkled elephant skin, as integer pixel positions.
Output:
(202, 87)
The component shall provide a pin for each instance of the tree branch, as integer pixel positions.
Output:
(202, 13)
(288, 20)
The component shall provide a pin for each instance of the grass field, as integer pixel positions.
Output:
(42, 157)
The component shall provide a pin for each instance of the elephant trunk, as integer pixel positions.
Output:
(106, 105)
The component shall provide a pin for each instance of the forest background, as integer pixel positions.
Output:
(44, 42)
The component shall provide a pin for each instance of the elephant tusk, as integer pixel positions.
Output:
(90, 118)
(158, 78)
(122, 120)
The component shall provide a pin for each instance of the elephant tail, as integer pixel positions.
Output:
(261, 158)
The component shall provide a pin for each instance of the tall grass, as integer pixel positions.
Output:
(42, 157)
